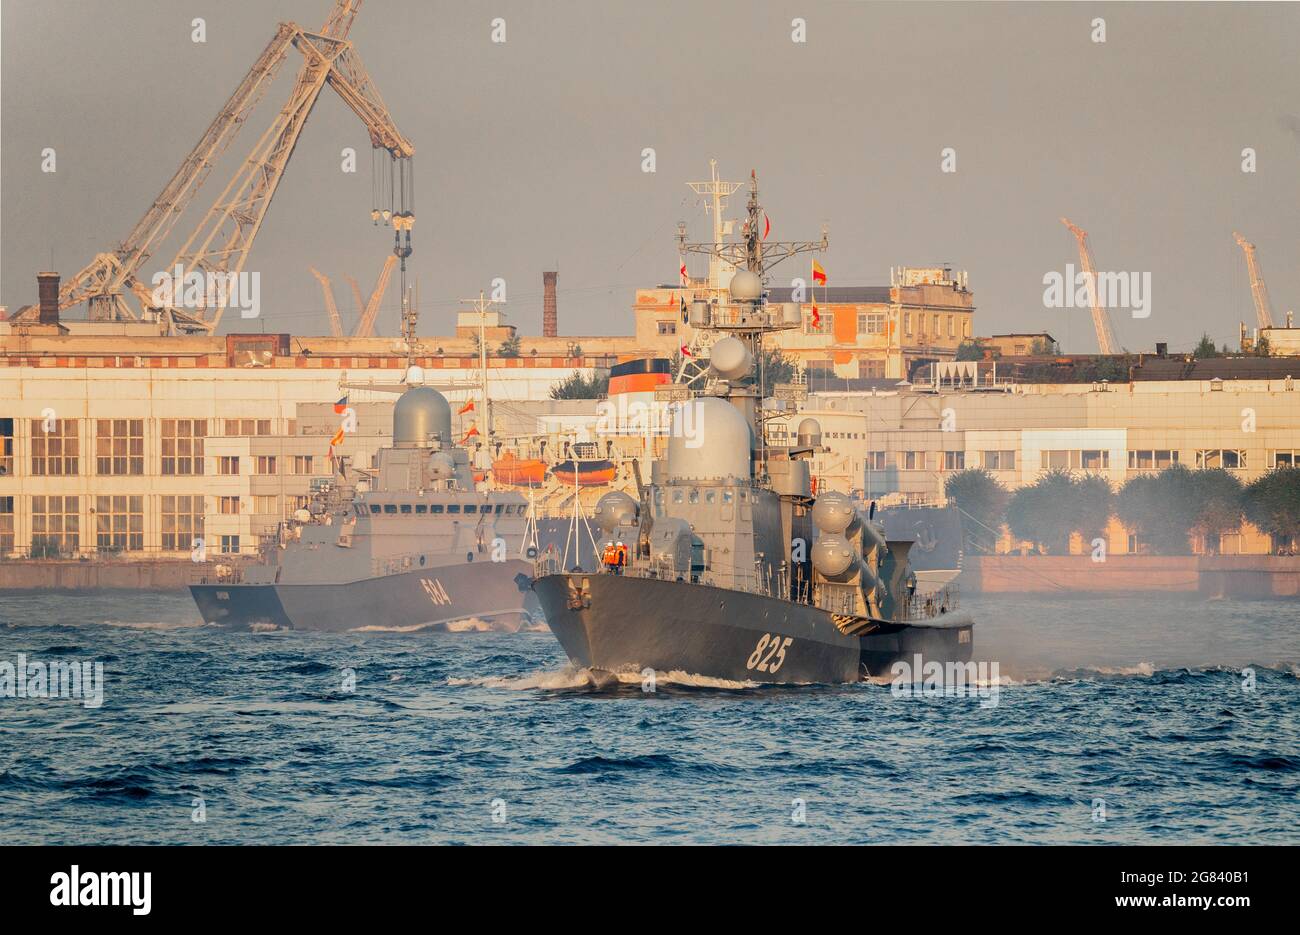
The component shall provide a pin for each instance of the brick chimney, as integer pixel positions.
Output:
(550, 324)
(47, 287)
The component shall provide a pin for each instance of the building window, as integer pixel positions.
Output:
(295, 502)
(228, 506)
(301, 464)
(1284, 459)
(820, 328)
(56, 452)
(954, 460)
(182, 522)
(119, 446)
(934, 320)
(871, 323)
(265, 464)
(1000, 460)
(1148, 459)
(56, 526)
(182, 445)
(1231, 458)
(952, 326)
(238, 427)
(907, 323)
(228, 464)
(914, 460)
(6, 525)
(229, 545)
(119, 524)
(266, 505)
(667, 327)
(965, 326)
(1074, 460)
(875, 461)
(6, 447)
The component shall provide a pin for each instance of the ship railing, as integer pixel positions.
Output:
(926, 606)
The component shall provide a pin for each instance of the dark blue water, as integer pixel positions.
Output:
(1138, 703)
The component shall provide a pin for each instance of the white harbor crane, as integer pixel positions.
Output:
(1258, 291)
(222, 241)
(1100, 316)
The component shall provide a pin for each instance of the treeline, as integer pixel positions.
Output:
(1165, 510)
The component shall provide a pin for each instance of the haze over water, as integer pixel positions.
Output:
(1136, 701)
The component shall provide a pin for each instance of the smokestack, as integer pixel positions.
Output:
(550, 324)
(47, 287)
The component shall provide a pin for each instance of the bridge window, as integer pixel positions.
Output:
(435, 508)
(406, 508)
(422, 508)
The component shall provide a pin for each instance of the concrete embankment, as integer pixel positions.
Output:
(1240, 576)
(61, 575)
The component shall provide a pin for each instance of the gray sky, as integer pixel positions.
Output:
(529, 152)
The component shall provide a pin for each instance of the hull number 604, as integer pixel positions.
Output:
(769, 654)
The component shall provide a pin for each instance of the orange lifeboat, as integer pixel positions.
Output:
(519, 472)
(585, 473)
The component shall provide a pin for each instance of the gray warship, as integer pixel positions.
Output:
(409, 545)
(738, 570)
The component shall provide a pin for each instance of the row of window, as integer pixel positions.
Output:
(118, 522)
(724, 495)
(927, 325)
(119, 446)
(1086, 459)
(423, 509)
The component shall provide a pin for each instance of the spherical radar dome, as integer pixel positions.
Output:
(421, 414)
(710, 440)
(746, 286)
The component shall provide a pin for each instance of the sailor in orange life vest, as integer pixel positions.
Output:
(621, 549)
(609, 558)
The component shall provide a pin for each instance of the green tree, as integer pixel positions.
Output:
(1161, 509)
(1041, 347)
(776, 367)
(509, 347)
(1205, 348)
(969, 349)
(577, 386)
(1092, 504)
(1262, 348)
(1220, 500)
(1272, 504)
(978, 494)
(1044, 512)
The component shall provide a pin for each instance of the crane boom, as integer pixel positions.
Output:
(1258, 291)
(367, 323)
(1100, 317)
(336, 324)
(223, 239)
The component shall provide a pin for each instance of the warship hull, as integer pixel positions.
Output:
(623, 623)
(433, 598)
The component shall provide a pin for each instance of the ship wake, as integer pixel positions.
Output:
(581, 679)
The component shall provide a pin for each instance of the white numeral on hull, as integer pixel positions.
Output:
(769, 654)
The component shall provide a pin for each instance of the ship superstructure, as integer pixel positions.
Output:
(409, 543)
(739, 569)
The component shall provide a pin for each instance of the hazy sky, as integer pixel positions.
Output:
(529, 152)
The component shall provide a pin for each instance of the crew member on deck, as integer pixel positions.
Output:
(609, 558)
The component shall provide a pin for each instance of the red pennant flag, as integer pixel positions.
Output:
(686, 280)
(819, 274)
(767, 225)
(686, 352)
(473, 430)
(337, 439)
(816, 318)
(468, 407)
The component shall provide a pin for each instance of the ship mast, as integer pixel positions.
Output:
(748, 320)
(482, 305)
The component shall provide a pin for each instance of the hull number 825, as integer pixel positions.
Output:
(769, 655)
